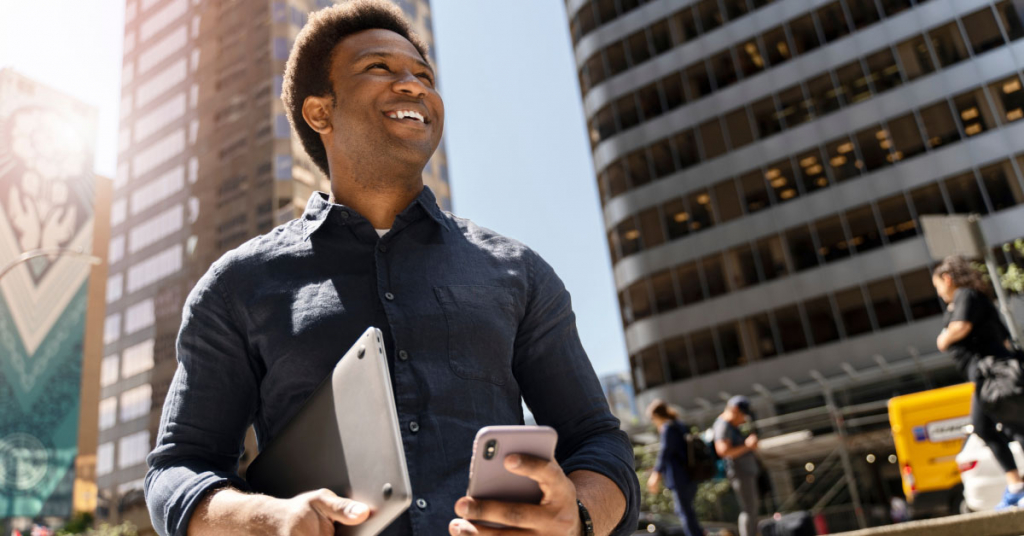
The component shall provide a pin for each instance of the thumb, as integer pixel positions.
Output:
(340, 509)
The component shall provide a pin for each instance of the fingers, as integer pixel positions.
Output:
(518, 515)
(339, 509)
(461, 527)
(547, 473)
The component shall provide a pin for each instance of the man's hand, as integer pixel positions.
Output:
(228, 511)
(556, 515)
(751, 441)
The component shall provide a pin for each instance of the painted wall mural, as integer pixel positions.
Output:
(46, 201)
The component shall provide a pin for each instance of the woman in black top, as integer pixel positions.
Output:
(974, 330)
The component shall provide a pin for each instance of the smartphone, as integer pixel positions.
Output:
(488, 478)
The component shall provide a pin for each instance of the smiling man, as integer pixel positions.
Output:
(473, 322)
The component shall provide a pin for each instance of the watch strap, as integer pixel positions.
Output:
(586, 524)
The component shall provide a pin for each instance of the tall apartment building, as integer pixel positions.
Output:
(53, 214)
(763, 166)
(207, 161)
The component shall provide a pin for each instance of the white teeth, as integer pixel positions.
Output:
(402, 114)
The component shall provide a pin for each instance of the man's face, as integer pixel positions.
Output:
(386, 99)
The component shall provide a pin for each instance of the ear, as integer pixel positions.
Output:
(317, 113)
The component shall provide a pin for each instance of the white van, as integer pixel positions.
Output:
(983, 479)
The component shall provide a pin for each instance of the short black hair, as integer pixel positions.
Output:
(308, 71)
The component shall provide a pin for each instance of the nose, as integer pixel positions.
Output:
(409, 84)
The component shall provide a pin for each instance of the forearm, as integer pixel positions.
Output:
(736, 452)
(228, 512)
(602, 497)
(955, 332)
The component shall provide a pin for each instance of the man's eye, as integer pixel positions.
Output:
(378, 66)
(426, 77)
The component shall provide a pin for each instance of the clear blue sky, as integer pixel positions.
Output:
(517, 148)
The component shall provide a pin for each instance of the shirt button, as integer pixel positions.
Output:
(403, 355)
(414, 426)
(383, 248)
(389, 296)
(421, 503)
(344, 215)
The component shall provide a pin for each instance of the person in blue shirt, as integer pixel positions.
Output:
(671, 467)
(474, 323)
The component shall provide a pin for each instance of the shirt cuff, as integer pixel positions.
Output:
(176, 511)
(624, 477)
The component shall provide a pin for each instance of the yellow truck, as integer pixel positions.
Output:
(929, 429)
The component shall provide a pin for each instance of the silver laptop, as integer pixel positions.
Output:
(345, 438)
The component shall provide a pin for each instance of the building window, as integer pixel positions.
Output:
(801, 248)
(112, 328)
(940, 127)
(759, 332)
(965, 194)
(727, 201)
(108, 413)
(664, 291)
(616, 56)
(691, 289)
(678, 358)
(948, 44)
(914, 56)
(650, 101)
(824, 96)
(886, 303)
(155, 268)
(982, 30)
(639, 171)
(755, 194)
(156, 190)
(892, 7)
(729, 343)
(714, 275)
(780, 177)
(115, 287)
(685, 24)
(156, 228)
(661, 158)
(853, 311)
(795, 108)
(704, 354)
(777, 46)
(772, 257)
(677, 219)
(650, 226)
(1002, 186)
(698, 83)
(863, 12)
(864, 233)
(884, 72)
(832, 238)
(751, 61)
(650, 363)
(639, 51)
(812, 170)
(640, 302)
(625, 107)
(927, 200)
(104, 459)
(672, 85)
(617, 183)
(724, 69)
(685, 143)
(108, 370)
(822, 320)
(629, 237)
(740, 267)
(833, 21)
(896, 219)
(714, 141)
(791, 328)
(805, 35)
(136, 402)
(701, 216)
(921, 297)
(1011, 19)
(766, 117)
(974, 112)
(661, 37)
(132, 449)
(137, 358)
(853, 83)
(710, 15)
(738, 126)
(139, 316)
(875, 143)
(843, 160)
(1009, 99)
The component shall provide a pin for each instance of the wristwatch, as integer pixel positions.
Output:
(586, 525)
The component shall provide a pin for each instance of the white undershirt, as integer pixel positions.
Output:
(381, 232)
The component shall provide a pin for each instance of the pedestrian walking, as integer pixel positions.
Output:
(742, 468)
(672, 466)
(972, 332)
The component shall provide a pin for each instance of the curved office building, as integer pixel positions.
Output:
(763, 167)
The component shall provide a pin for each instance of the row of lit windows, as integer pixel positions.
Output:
(131, 449)
(139, 316)
(705, 15)
(155, 268)
(156, 228)
(822, 94)
(873, 306)
(773, 47)
(135, 359)
(836, 161)
(835, 237)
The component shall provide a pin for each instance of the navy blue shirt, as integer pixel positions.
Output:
(473, 323)
(673, 458)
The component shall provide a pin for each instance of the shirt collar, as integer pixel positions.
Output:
(319, 207)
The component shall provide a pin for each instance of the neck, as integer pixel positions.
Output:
(377, 195)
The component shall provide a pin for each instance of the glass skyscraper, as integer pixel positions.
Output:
(763, 166)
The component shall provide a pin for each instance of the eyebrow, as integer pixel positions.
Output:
(389, 55)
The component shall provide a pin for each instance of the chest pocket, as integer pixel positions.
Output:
(481, 331)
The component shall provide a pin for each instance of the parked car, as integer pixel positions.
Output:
(983, 479)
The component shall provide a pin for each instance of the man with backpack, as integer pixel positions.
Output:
(683, 462)
(741, 464)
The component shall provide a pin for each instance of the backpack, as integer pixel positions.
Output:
(701, 459)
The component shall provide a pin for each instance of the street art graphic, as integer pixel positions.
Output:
(46, 202)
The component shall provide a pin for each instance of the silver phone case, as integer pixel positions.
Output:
(346, 438)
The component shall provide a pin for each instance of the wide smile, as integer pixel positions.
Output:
(409, 117)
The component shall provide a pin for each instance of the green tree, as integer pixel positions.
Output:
(1012, 277)
(714, 500)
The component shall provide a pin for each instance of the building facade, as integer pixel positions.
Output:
(763, 166)
(53, 212)
(207, 160)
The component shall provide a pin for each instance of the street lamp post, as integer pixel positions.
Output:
(49, 252)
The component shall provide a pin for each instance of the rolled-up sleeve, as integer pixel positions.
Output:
(210, 404)
(560, 387)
